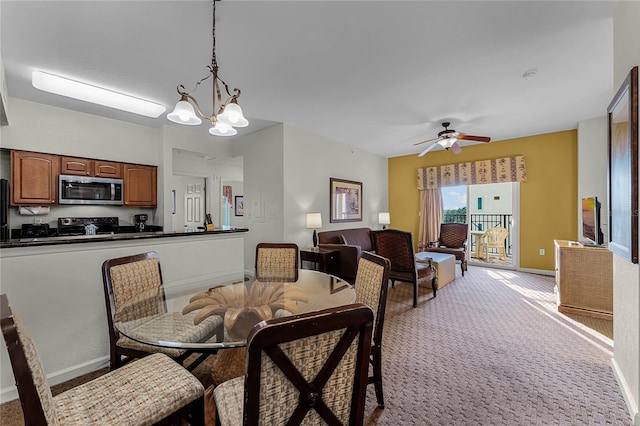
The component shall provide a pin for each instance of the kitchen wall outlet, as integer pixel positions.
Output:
(541, 252)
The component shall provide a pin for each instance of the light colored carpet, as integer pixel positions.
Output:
(491, 349)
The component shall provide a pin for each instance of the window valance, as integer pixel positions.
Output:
(510, 169)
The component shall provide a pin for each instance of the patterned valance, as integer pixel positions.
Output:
(509, 169)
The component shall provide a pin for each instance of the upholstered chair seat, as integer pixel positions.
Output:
(154, 389)
(134, 293)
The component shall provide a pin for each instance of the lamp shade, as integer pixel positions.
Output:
(183, 113)
(221, 129)
(314, 220)
(232, 116)
(384, 218)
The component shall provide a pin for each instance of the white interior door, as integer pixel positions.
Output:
(194, 205)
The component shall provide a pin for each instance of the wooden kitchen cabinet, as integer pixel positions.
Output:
(34, 178)
(87, 167)
(140, 185)
(584, 279)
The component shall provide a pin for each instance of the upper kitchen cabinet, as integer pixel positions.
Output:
(140, 185)
(34, 178)
(88, 167)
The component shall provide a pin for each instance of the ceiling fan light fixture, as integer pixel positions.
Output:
(228, 114)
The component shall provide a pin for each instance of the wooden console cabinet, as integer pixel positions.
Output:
(584, 279)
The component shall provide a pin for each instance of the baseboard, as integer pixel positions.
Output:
(538, 271)
(632, 405)
(11, 393)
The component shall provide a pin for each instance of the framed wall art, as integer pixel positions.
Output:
(345, 200)
(622, 182)
(239, 205)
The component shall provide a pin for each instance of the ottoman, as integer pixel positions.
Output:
(445, 265)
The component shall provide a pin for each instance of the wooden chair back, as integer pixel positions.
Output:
(35, 395)
(310, 367)
(277, 261)
(372, 283)
(133, 289)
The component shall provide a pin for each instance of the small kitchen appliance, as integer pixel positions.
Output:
(140, 222)
(90, 190)
(78, 225)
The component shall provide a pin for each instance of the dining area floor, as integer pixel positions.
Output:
(491, 348)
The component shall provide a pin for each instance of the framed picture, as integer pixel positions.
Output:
(345, 200)
(227, 191)
(622, 182)
(239, 205)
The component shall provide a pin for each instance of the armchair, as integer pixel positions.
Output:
(397, 246)
(453, 240)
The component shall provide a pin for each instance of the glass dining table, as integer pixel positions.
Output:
(206, 317)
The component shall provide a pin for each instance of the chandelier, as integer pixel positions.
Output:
(229, 113)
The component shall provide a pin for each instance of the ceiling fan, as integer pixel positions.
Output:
(448, 139)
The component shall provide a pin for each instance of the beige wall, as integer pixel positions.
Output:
(626, 277)
(547, 200)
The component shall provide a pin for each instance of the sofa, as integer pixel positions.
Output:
(350, 243)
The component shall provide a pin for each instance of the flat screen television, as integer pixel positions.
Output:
(591, 221)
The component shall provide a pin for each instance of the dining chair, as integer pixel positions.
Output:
(277, 261)
(372, 282)
(152, 390)
(397, 246)
(134, 290)
(452, 240)
(496, 238)
(304, 369)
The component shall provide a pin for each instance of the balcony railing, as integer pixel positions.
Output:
(481, 222)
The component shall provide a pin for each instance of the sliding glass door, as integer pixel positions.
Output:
(484, 207)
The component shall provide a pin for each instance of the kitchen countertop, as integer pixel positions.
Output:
(75, 239)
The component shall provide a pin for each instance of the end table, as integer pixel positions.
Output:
(321, 258)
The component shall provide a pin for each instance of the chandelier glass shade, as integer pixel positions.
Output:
(228, 114)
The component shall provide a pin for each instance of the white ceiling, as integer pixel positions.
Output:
(378, 75)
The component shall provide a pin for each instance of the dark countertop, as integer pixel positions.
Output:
(75, 239)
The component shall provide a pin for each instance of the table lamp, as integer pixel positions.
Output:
(384, 219)
(314, 221)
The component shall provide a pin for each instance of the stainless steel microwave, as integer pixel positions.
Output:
(89, 190)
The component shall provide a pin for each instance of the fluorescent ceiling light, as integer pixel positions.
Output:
(96, 95)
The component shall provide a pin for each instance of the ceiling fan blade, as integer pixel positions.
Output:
(456, 148)
(474, 138)
(427, 149)
(429, 140)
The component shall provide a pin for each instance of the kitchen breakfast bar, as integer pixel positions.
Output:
(56, 286)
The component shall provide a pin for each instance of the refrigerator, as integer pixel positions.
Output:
(4, 210)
